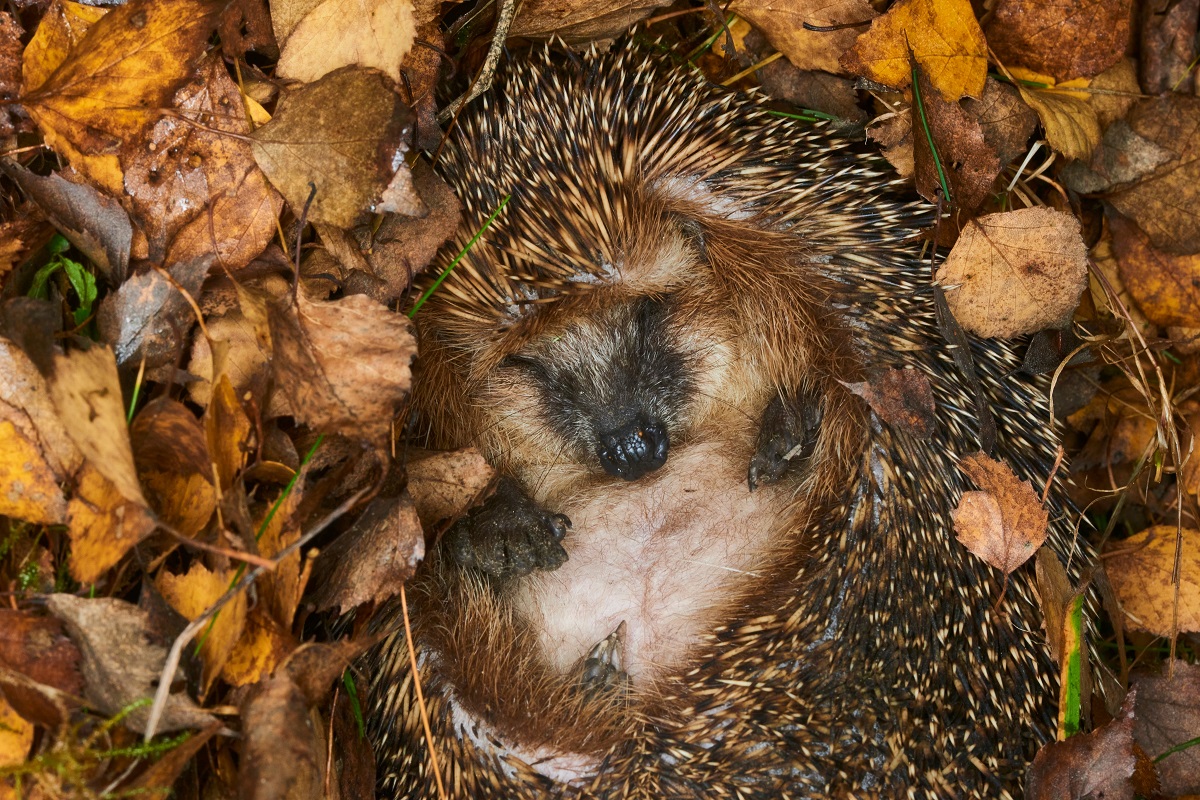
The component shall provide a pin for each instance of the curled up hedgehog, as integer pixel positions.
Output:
(708, 569)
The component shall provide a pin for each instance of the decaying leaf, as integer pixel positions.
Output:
(1087, 765)
(28, 485)
(192, 181)
(1168, 714)
(902, 398)
(344, 365)
(281, 587)
(191, 594)
(1140, 569)
(942, 36)
(1171, 122)
(1122, 157)
(149, 316)
(1007, 123)
(347, 135)
(967, 161)
(1165, 286)
(116, 78)
(443, 485)
(103, 525)
(374, 559)
(37, 647)
(1004, 523)
(1168, 45)
(121, 666)
(227, 429)
(1066, 39)
(783, 23)
(895, 135)
(1015, 272)
(342, 33)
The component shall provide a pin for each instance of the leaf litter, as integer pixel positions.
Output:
(227, 453)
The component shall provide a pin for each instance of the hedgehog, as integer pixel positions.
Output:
(707, 569)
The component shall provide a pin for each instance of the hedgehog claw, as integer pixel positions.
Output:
(602, 671)
(786, 440)
(509, 536)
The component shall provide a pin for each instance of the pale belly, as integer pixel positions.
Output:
(664, 554)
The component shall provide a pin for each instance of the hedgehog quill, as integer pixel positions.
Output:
(708, 569)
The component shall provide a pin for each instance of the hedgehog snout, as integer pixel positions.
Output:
(635, 449)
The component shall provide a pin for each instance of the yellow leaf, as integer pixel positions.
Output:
(116, 80)
(1140, 569)
(61, 28)
(28, 486)
(103, 525)
(1070, 123)
(282, 586)
(191, 595)
(942, 35)
(260, 650)
(16, 737)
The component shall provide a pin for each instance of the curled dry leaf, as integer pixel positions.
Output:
(1066, 39)
(227, 430)
(121, 666)
(579, 21)
(171, 454)
(281, 587)
(347, 135)
(149, 316)
(1087, 765)
(895, 136)
(1168, 714)
(342, 33)
(40, 704)
(1015, 272)
(783, 23)
(1173, 123)
(191, 595)
(1140, 569)
(902, 398)
(1165, 286)
(113, 81)
(968, 162)
(344, 365)
(1004, 524)
(371, 561)
(943, 37)
(96, 224)
(281, 753)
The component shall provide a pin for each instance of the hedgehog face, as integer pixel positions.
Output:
(613, 384)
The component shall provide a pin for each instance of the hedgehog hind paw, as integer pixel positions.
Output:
(787, 438)
(602, 673)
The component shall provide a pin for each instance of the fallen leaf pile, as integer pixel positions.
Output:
(214, 214)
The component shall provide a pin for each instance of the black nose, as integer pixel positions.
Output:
(633, 450)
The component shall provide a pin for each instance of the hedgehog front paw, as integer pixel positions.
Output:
(787, 438)
(602, 672)
(509, 535)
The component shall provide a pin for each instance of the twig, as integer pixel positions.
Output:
(195, 626)
(483, 81)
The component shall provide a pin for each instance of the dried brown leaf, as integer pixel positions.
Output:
(1165, 286)
(346, 134)
(1168, 714)
(1015, 272)
(281, 754)
(968, 162)
(173, 464)
(121, 666)
(38, 648)
(1087, 765)
(1004, 524)
(902, 398)
(1007, 122)
(344, 365)
(1066, 39)
(580, 21)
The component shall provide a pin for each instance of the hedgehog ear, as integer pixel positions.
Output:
(693, 231)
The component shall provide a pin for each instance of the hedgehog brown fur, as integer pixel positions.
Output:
(848, 645)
